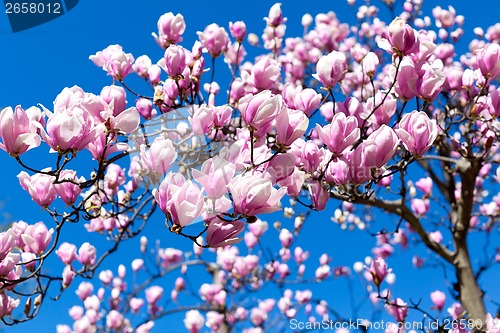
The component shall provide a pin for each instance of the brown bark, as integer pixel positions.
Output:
(471, 296)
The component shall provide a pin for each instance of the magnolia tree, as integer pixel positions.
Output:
(381, 118)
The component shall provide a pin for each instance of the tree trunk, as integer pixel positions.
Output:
(471, 296)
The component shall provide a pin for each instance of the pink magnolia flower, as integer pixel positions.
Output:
(352, 106)
(193, 321)
(264, 74)
(300, 255)
(306, 101)
(307, 154)
(106, 276)
(7, 242)
(157, 159)
(7, 305)
(468, 79)
(170, 30)
(289, 92)
(238, 30)
(359, 169)
(66, 189)
(114, 320)
(19, 228)
(126, 122)
(258, 316)
(286, 238)
(115, 176)
(319, 195)
(10, 268)
(214, 320)
(153, 294)
(381, 145)
(209, 291)
(222, 115)
(87, 254)
(214, 176)
(258, 228)
(436, 236)
(146, 328)
(453, 78)
(145, 108)
(290, 125)
(379, 271)
(303, 297)
(154, 73)
(170, 256)
(18, 130)
(186, 204)
(417, 132)
(417, 261)
(398, 309)
(258, 111)
(370, 63)
(101, 147)
(425, 185)
(63, 329)
(116, 97)
(456, 311)
(67, 276)
(141, 66)
(253, 195)
(221, 233)
(83, 325)
(202, 120)
(439, 299)
(37, 238)
(170, 89)
(180, 284)
(283, 270)
(113, 60)
(176, 58)
(275, 16)
(431, 80)
(420, 206)
(168, 187)
(215, 39)
(71, 129)
(406, 81)
(137, 264)
(338, 172)
(293, 183)
(39, 186)
(400, 38)
(444, 18)
(488, 60)
(383, 251)
(324, 259)
(29, 260)
(66, 252)
(322, 272)
(68, 97)
(331, 68)
(136, 304)
(340, 133)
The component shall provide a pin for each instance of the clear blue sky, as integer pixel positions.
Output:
(38, 63)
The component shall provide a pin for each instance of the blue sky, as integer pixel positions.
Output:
(38, 63)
